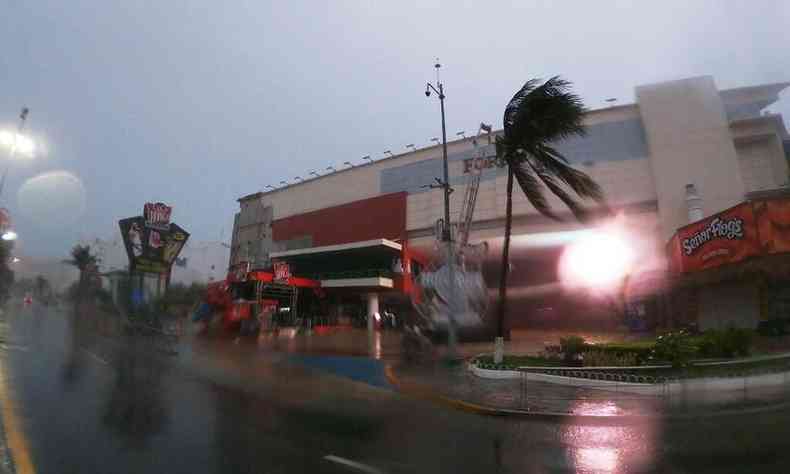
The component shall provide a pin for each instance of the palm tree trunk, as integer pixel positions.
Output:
(501, 309)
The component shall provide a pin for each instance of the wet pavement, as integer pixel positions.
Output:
(81, 403)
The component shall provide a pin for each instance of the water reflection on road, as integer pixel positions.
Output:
(225, 407)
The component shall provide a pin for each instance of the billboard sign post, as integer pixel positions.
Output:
(152, 242)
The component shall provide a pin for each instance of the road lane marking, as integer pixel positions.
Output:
(94, 356)
(353, 464)
(17, 442)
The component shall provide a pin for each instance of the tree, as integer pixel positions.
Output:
(42, 285)
(6, 274)
(85, 261)
(536, 117)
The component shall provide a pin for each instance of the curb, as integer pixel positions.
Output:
(425, 393)
(422, 392)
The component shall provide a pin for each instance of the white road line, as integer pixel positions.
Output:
(95, 357)
(353, 464)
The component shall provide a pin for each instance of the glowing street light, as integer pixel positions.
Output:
(599, 260)
(9, 235)
(17, 143)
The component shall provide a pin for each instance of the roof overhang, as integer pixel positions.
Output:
(339, 248)
(374, 282)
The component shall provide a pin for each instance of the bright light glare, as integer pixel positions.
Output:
(17, 143)
(598, 260)
(601, 459)
(9, 235)
(15, 260)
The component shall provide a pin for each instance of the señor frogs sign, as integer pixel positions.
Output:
(718, 228)
(727, 237)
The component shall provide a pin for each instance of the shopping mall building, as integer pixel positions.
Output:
(352, 241)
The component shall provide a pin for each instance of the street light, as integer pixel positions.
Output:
(16, 142)
(9, 235)
(446, 237)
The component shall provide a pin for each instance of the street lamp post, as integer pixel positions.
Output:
(452, 338)
(14, 145)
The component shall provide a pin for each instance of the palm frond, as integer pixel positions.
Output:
(537, 116)
(578, 210)
(532, 188)
(555, 163)
(544, 113)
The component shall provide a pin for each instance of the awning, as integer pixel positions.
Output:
(363, 264)
(361, 247)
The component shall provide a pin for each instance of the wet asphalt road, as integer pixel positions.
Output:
(88, 404)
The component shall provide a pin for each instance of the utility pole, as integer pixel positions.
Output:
(452, 337)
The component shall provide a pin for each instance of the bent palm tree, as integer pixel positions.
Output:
(535, 118)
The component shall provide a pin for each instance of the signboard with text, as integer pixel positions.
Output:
(749, 229)
(152, 242)
(282, 271)
(727, 237)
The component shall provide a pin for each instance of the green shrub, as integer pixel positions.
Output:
(729, 342)
(773, 327)
(572, 347)
(599, 358)
(641, 351)
(676, 348)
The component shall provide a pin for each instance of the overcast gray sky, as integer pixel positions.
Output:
(196, 103)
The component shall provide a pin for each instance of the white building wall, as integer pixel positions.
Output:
(756, 166)
(623, 182)
(690, 142)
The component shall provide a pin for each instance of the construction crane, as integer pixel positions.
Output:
(472, 187)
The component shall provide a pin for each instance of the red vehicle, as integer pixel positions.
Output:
(28, 299)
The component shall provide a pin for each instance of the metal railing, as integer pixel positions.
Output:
(602, 390)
